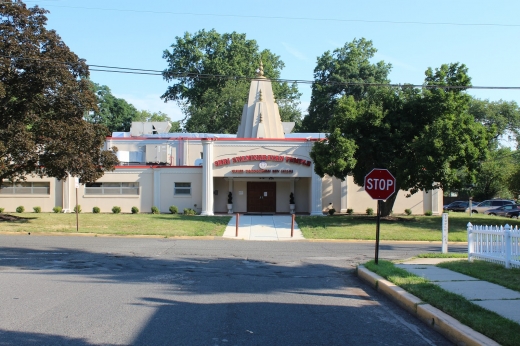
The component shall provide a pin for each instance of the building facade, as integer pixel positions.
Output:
(260, 166)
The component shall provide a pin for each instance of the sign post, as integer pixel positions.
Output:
(444, 232)
(76, 184)
(380, 185)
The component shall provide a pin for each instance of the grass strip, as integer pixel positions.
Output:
(487, 271)
(406, 228)
(494, 326)
(167, 225)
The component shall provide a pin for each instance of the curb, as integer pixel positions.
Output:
(452, 329)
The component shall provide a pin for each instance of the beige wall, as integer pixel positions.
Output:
(168, 178)
(45, 202)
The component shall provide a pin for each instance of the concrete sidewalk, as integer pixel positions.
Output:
(263, 227)
(501, 300)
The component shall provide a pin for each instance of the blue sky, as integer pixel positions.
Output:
(129, 33)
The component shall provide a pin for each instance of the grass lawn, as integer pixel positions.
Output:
(486, 322)
(423, 228)
(487, 271)
(167, 225)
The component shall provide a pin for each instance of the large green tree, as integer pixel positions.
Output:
(44, 94)
(158, 116)
(423, 136)
(344, 72)
(113, 112)
(502, 118)
(210, 72)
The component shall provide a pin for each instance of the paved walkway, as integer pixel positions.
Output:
(263, 227)
(501, 300)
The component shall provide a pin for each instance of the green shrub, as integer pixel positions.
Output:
(37, 209)
(79, 208)
(332, 211)
(408, 211)
(20, 209)
(350, 211)
(1, 210)
(116, 209)
(188, 211)
(174, 209)
(135, 210)
(155, 210)
(370, 211)
(57, 209)
(428, 213)
(96, 210)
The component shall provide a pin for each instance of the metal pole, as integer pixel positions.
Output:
(236, 228)
(77, 218)
(377, 230)
(292, 225)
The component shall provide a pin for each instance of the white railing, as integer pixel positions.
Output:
(498, 244)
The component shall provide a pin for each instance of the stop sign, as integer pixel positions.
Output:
(380, 184)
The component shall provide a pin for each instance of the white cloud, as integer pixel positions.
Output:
(294, 52)
(153, 103)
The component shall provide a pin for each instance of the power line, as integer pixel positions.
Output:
(138, 71)
(289, 18)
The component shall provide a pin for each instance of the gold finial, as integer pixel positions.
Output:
(260, 73)
(260, 97)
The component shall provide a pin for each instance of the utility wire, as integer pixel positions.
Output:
(288, 18)
(127, 70)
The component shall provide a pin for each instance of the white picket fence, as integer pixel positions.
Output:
(498, 244)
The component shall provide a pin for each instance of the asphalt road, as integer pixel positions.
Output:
(72, 290)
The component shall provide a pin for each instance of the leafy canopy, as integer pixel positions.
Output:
(214, 104)
(422, 136)
(348, 64)
(44, 94)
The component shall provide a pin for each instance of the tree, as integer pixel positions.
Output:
(349, 64)
(502, 118)
(115, 113)
(158, 116)
(422, 136)
(44, 93)
(211, 72)
(494, 176)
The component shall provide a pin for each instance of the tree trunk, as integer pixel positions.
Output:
(389, 204)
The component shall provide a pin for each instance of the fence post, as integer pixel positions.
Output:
(236, 228)
(470, 241)
(507, 236)
(292, 225)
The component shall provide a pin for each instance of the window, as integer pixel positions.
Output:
(182, 189)
(112, 189)
(25, 188)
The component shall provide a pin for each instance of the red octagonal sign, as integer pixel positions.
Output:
(380, 184)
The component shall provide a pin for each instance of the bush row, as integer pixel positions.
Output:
(116, 210)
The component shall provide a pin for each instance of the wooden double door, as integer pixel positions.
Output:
(261, 197)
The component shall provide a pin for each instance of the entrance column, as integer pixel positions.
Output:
(344, 195)
(207, 177)
(316, 194)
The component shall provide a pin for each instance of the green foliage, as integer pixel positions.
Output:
(332, 211)
(2, 210)
(135, 210)
(422, 136)
(20, 209)
(43, 103)
(116, 209)
(188, 211)
(291, 198)
(155, 210)
(37, 209)
(57, 209)
(215, 105)
(428, 213)
(78, 208)
(348, 64)
(408, 212)
(370, 211)
(230, 198)
(350, 211)
(495, 176)
(173, 209)
(96, 210)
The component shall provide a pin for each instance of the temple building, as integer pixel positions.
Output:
(258, 168)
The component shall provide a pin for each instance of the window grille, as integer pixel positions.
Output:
(25, 188)
(182, 189)
(109, 188)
